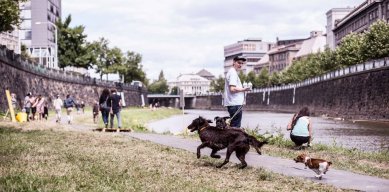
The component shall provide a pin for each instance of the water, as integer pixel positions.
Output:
(369, 136)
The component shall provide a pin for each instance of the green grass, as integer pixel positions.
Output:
(60, 160)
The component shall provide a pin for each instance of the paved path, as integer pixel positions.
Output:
(338, 178)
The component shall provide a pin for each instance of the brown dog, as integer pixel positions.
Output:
(319, 166)
(217, 139)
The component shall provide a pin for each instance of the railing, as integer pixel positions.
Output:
(367, 66)
(14, 60)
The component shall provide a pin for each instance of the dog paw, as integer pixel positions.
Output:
(198, 156)
(243, 166)
(219, 166)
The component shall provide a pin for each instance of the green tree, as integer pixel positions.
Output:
(159, 86)
(174, 91)
(217, 85)
(9, 15)
(73, 49)
(349, 51)
(251, 77)
(131, 68)
(262, 79)
(376, 41)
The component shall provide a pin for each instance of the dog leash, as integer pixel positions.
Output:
(228, 121)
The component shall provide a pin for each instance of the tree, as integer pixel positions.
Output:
(349, 51)
(376, 41)
(9, 15)
(131, 68)
(262, 79)
(159, 86)
(217, 85)
(72, 47)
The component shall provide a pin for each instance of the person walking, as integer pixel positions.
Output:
(301, 128)
(104, 108)
(234, 95)
(115, 102)
(69, 103)
(57, 103)
(39, 104)
(27, 105)
(95, 110)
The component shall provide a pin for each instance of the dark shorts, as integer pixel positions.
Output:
(33, 109)
(299, 140)
(28, 109)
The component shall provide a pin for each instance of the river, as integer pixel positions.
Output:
(364, 135)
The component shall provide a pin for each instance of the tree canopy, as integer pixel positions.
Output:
(9, 15)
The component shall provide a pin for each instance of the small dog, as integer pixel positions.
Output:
(221, 122)
(319, 166)
(217, 139)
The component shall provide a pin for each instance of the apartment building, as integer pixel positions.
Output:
(360, 18)
(253, 49)
(38, 30)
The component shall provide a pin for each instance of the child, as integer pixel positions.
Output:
(95, 111)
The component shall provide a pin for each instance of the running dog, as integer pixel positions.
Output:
(217, 139)
(319, 166)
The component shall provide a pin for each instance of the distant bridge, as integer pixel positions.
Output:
(171, 100)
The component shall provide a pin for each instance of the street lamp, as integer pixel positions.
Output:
(56, 40)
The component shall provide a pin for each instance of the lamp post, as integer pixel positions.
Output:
(56, 40)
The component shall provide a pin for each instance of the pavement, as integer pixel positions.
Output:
(337, 178)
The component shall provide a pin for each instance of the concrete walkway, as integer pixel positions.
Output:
(338, 178)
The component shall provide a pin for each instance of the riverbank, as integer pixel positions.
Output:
(46, 156)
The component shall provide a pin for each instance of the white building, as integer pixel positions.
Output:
(10, 40)
(253, 49)
(191, 84)
(38, 30)
(314, 44)
(333, 16)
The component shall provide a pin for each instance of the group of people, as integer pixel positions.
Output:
(110, 104)
(234, 98)
(36, 107)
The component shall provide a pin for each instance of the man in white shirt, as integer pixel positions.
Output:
(234, 92)
(57, 103)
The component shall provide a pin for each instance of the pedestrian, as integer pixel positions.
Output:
(33, 100)
(115, 102)
(69, 103)
(82, 106)
(14, 101)
(57, 103)
(45, 110)
(234, 92)
(39, 104)
(104, 108)
(301, 128)
(95, 111)
(27, 105)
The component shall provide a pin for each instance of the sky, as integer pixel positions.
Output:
(185, 36)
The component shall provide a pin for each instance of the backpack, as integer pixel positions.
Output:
(68, 102)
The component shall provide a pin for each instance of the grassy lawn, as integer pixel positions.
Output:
(61, 160)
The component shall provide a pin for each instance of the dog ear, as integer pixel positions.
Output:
(209, 121)
(217, 117)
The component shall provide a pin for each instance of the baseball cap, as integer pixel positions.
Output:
(237, 58)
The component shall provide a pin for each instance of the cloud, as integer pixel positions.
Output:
(184, 36)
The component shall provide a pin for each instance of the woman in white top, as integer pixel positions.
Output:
(301, 128)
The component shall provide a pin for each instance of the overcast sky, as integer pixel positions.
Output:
(185, 36)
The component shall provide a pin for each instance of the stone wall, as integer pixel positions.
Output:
(358, 92)
(21, 77)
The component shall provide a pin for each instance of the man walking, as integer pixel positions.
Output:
(69, 104)
(234, 92)
(115, 102)
(57, 103)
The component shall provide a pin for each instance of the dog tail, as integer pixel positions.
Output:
(256, 144)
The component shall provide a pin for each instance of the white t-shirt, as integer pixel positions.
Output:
(231, 99)
(57, 104)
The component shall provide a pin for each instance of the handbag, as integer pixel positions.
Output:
(104, 105)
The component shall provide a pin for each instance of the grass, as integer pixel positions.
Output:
(358, 161)
(132, 118)
(60, 160)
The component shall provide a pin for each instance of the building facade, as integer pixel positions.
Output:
(191, 84)
(10, 40)
(359, 19)
(38, 30)
(253, 49)
(334, 15)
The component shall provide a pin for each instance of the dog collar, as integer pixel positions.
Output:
(202, 128)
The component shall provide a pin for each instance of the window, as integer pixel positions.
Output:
(27, 35)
